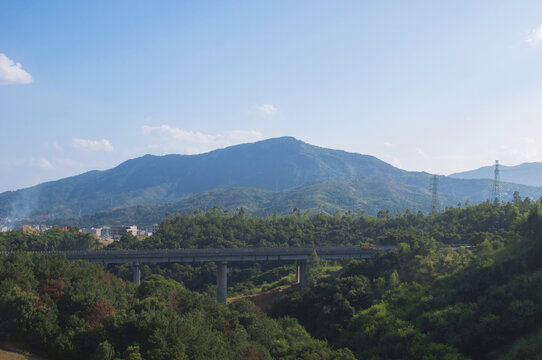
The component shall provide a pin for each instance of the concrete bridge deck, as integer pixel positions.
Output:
(223, 254)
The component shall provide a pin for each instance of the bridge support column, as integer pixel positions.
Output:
(302, 272)
(137, 273)
(221, 281)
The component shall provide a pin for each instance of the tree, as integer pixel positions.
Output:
(133, 353)
(394, 279)
(316, 270)
(104, 351)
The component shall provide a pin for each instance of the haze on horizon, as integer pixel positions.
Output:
(424, 86)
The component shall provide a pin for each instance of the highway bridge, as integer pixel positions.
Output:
(301, 255)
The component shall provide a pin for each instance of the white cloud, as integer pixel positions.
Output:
(388, 144)
(57, 146)
(41, 163)
(535, 36)
(92, 145)
(12, 72)
(267, 109)
(174, 140)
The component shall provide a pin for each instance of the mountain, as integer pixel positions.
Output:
(526, 173)
(274, 164)
(270, 166)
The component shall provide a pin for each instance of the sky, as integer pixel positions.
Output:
(429, 86)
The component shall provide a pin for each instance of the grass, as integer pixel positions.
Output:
(329, 269)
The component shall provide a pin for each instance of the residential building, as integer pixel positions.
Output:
(116, 232)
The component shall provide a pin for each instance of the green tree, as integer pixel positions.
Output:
(104, 351)
(316, 270)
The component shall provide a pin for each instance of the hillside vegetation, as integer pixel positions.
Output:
(433, 298)
(358, 195)
(78, 311)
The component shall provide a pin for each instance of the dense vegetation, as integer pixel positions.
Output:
(425, 301)
(79, 311)
(430, 299)
(54, 239)
(468, 225)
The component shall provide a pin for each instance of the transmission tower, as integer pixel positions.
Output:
(434, 194)
(497, 192)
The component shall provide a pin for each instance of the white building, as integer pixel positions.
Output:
(117, 231)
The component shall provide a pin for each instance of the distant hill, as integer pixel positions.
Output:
(526, 173)
(369, 195)
(330, 196)
(269, 168)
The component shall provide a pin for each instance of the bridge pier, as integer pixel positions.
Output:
(137, 273)
(302, 272)
(221, 281)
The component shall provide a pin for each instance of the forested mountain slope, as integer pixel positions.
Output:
(274, 164)
(330, 196)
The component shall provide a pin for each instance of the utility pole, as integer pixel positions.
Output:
(497, 192)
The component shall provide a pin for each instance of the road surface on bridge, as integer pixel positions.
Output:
(223, 254)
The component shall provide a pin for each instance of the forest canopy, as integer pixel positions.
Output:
(463, 283)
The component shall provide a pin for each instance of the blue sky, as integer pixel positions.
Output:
(424, 85)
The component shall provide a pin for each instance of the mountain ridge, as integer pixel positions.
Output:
(276, 164)
(528, 173)
(151, 179)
